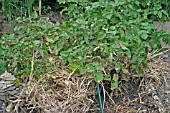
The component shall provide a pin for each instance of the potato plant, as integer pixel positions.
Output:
(94, 36)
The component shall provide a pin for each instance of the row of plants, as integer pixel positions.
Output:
(96, 35)
(14, 8)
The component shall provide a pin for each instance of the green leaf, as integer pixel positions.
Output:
(107, 78)
(64, 53)
(82, 70)
(114, 85)
(160, 14)
(50, 91)
(124, 47)
(140, 73)
(74, 71)
(144, 36)
(74, 64)
(95, 4)
(3, 66)
(98, 77)
(101, 36)
(75, 67)
(117, 66)
(128, 53)
(36, 42)
(99, 67)
(80, 58)
(89, 68)
(11, 35)
(108, 16)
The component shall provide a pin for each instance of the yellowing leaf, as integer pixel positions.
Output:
(50, 59)
(49, 39)
(115, 77)
(125, 71)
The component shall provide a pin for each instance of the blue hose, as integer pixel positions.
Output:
(100, 99)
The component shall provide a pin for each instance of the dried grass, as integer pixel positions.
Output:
(78, 94)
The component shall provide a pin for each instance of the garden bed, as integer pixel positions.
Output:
(79, 94)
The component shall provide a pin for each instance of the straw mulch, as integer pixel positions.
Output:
(78, 94)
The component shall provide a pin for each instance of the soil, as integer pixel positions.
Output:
(163, 26)
(7, 27)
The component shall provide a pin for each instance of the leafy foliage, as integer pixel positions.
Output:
(15, 8)
(30, 43)
(96, 35)
(3, 67)
(167, 7)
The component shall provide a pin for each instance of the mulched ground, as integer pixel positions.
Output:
(79, 94)
(148, 94)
